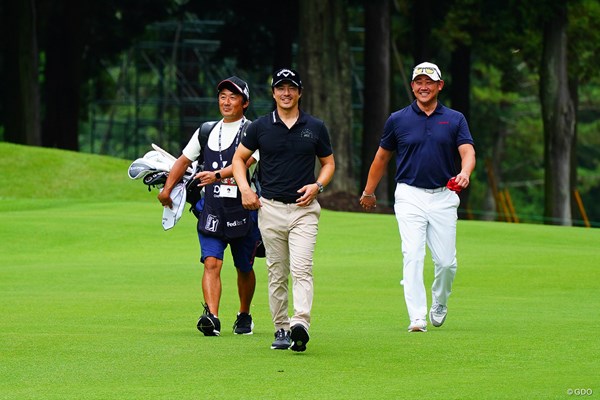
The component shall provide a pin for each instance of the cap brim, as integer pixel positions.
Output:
(233, 85)
(285, 80)
(432, 77)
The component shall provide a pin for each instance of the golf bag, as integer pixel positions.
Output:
(153, 169)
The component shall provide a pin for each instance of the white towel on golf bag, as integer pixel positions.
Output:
(172, 215)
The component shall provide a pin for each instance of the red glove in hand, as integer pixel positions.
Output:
(452, 185)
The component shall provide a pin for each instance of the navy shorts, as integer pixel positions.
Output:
(243, 250)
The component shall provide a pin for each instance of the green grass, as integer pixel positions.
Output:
(98, 302)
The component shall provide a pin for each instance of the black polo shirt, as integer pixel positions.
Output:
(287, 156)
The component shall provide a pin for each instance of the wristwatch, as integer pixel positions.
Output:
(218, 175)
(321, 187)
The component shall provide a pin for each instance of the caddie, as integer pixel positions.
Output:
(222, 221)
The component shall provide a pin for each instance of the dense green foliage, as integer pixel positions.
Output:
(146, 72)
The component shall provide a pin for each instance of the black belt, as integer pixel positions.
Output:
(286, 200)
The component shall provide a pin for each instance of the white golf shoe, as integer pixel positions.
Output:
(419, 325)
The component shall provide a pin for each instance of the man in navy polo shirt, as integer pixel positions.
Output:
(289, 142)
(428, 138)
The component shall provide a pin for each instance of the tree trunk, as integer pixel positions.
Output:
(21, 91)
(422, 48)
(284, 36)
(559, 120)
(376, 107)
(574, 91)
(492, 208)
(325, 68)
(64, 52)
(460, 70)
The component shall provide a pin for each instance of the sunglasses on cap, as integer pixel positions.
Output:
(426, 70)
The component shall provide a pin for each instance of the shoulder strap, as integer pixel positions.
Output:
(246, 124)
(205, 129)
(255, 178)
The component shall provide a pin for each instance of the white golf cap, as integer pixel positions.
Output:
(429, 69)
(172, 215)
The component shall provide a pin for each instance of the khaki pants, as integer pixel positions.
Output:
(289, 233)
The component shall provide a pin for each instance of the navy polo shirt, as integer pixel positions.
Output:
(426, 146)
(287, 156)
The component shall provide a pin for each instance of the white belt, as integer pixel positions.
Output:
(435, 190)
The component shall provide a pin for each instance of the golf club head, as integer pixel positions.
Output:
(140, 168)
(158, 160)
(156, 178)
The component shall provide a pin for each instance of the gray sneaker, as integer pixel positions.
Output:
(437, 314)
(282, 340)
(299, 337)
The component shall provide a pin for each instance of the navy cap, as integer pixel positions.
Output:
(236, 85)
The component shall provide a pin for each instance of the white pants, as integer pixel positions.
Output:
(426, 217)
(289, 233)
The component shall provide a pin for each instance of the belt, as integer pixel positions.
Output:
(286, 200)
(434, 190)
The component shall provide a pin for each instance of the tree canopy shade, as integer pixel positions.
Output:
(20, 105)
(376, 108)
(324, 64)
(256, 33)
(523, 72)
(73, 39)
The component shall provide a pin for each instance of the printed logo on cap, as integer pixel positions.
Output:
(286, 73)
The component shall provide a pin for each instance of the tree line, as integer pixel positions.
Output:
(517, 70)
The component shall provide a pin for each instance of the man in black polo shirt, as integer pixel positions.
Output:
(289, 141)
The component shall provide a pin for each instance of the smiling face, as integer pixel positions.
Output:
(286, 96)
(231, 105)
(426, 89)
